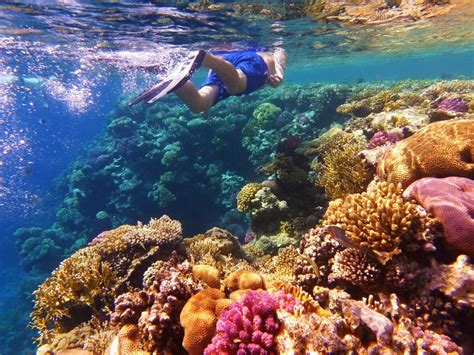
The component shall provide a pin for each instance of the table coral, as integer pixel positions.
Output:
(451, 201)
(440, 149)
(247, 326)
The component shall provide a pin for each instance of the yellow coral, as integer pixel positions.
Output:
(285, 262)
(87, 282)
(378, 220)
(79, 283)
(246, 195)
(343, 172)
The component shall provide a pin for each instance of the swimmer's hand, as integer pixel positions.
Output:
(274, 80)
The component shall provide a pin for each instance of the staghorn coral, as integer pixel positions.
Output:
(356, 268)
(84, 285)
(379, 220)
(247, 326)
(246, 195)
(417, 157)
(451, 201)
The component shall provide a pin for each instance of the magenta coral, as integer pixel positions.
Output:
(248, 326)
(454, 105)
(451, 201)
(383, 138)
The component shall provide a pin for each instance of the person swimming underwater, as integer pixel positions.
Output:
(233, 74)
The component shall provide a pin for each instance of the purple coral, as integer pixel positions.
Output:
(289, 145)
(453, 105)
(382, 138)
(248, 326)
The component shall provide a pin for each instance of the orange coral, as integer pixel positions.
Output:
(244, 279)
(440, 149)
(127, 342)
(199, 318)
(208, 274)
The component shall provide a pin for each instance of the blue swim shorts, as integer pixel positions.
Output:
(251, 64)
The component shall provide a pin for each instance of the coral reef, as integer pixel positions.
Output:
(417, 157)
(373, 276)
(451, 201)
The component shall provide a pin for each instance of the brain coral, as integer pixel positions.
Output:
(451, 201)
(199, 318)
(439, 150)
(379, 219)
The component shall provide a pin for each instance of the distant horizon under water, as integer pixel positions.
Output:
(297, 177)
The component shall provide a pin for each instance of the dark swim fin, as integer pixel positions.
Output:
(174, 81)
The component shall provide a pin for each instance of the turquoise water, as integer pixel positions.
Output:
(67, 69)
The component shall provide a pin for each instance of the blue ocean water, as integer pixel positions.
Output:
(65, 65)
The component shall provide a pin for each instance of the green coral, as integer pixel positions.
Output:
(262, 118)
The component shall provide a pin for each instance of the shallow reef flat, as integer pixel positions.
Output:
(343, 219)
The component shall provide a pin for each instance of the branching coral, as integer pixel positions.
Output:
(356, 268)
(247, 326)
(378, 220)
(84, 285)
(343, 172)
(319, 248)
(246, 195)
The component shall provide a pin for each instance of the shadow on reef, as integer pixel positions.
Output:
(372, 266)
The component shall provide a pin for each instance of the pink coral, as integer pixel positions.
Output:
(454, 105)
(451, 201)
(382, 138)
(248, 326)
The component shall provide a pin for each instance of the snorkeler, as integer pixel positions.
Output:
(235, 73)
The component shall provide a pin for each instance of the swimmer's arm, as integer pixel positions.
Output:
(279, 57)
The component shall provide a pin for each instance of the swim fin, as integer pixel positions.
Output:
(174, 81)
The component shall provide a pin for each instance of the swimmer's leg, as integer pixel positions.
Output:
(235, 80)
(198, 100)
